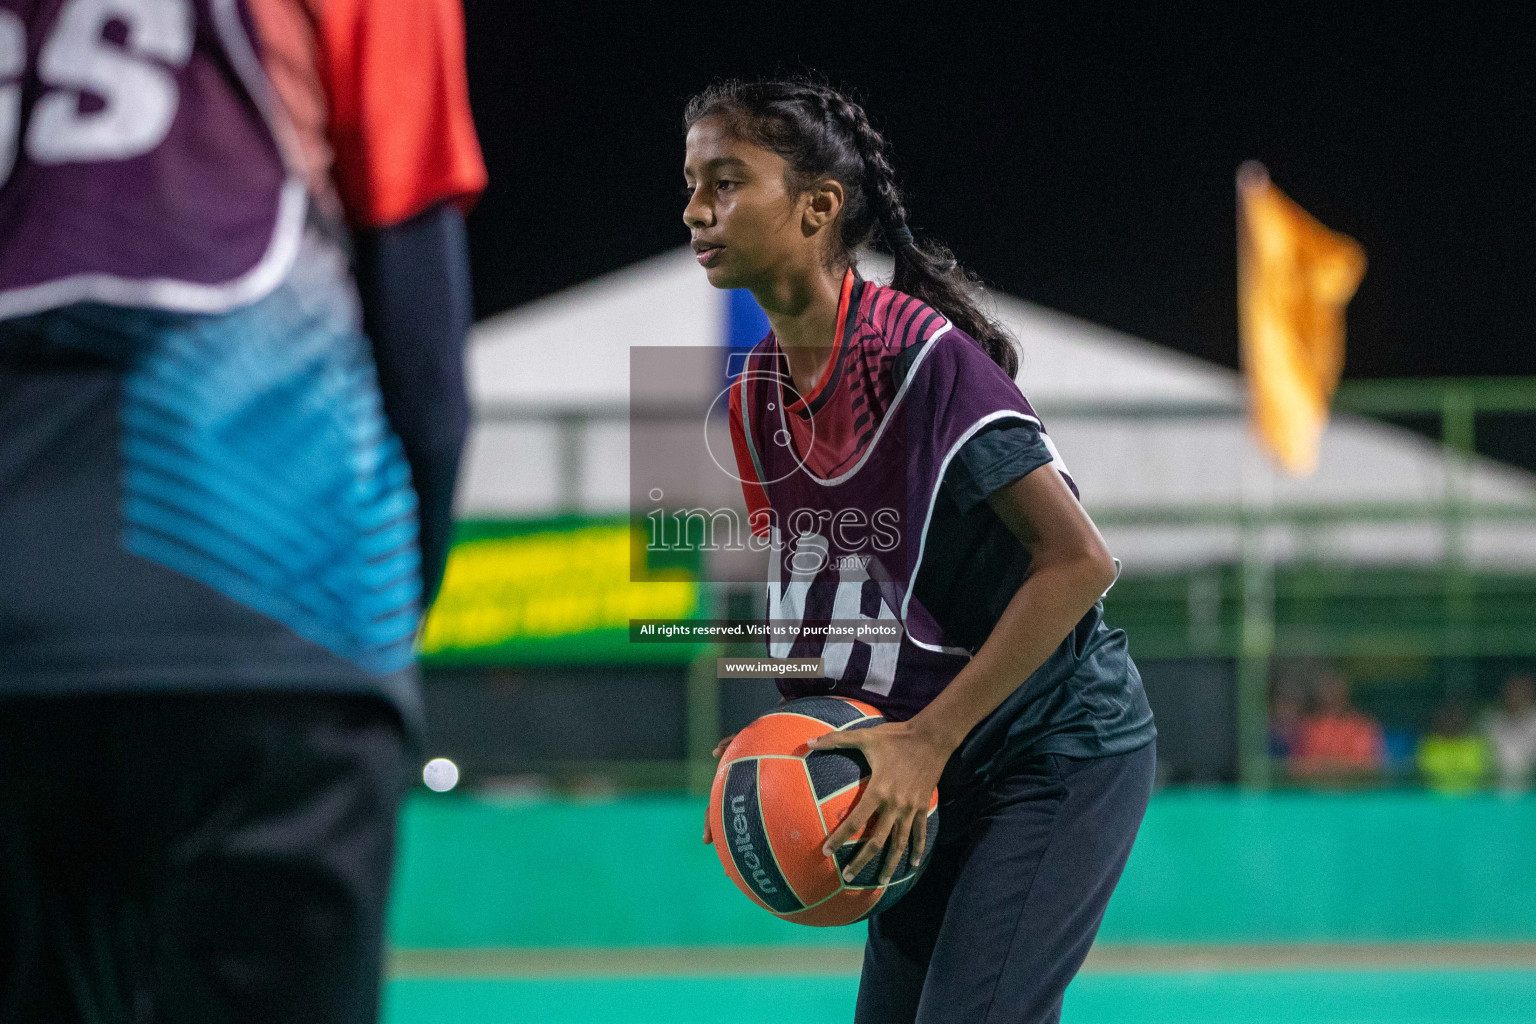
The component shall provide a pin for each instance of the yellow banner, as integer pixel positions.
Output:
(1294, 279)
(515, 588)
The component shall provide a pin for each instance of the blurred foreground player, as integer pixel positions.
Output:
(222, 504)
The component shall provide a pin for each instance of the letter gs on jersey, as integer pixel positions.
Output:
(130, 86)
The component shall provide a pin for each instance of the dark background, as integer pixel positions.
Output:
(1079, 157)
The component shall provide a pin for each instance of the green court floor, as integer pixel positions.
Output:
(1269, 997)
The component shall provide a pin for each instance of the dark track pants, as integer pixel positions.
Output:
(1005, 914)
(195, 859)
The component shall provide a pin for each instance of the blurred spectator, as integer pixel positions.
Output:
(1512, 731)
(1284, 722)
(1452, 758)
(1401, 750)
(1336, 739)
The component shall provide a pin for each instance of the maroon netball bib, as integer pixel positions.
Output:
(850, 546)
(139, 157)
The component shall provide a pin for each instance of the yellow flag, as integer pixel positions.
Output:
(1294, 278)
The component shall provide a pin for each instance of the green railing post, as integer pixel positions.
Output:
(702, 720)
(1256, 644)
(1202, 609)
(1458, 431)
(570, 430)
(703, 717)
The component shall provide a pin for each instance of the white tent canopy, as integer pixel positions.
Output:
(570, 352)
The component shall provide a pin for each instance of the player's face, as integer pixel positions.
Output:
(746, 227)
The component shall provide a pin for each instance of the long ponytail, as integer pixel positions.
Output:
(821, 133)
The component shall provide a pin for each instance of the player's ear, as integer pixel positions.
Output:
(824, 202)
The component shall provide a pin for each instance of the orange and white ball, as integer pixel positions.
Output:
(774, 802)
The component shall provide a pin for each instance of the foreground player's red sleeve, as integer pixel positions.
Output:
(399, 108)
(751, 487)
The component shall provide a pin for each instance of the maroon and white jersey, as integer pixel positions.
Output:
(842, 483)
(140, 162)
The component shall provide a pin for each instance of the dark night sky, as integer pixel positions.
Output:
(1081, 159)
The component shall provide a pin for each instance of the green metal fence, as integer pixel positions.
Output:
(1254, 610)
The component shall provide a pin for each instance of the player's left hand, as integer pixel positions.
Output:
(709, 836)
(904, 768)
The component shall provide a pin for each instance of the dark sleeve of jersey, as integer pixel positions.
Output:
(994, 457)
(414, 281)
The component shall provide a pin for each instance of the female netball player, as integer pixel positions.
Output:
(1007, 691)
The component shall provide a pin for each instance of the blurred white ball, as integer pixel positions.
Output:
(440, 774)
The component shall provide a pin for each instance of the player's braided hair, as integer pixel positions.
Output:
(822, 134)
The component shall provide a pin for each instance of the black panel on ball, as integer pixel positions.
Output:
(742, 831)
(834, 770)
(905, 875)
(831, 710)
